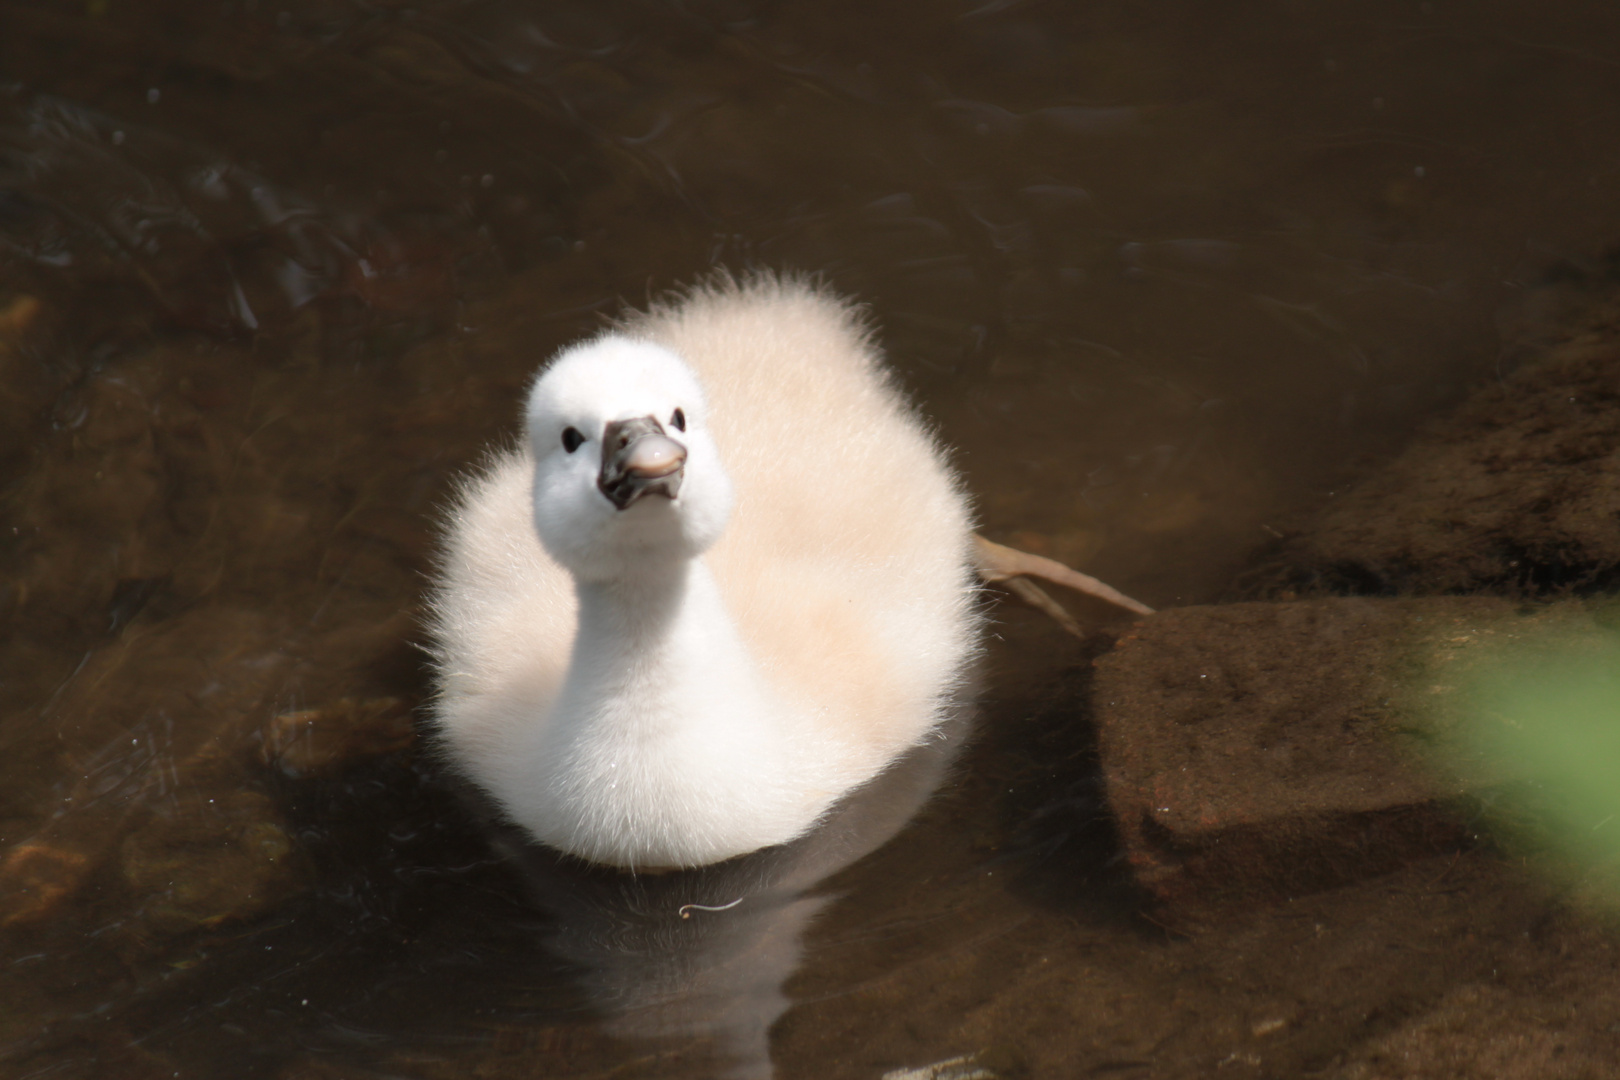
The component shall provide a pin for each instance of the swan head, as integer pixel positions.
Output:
(626, 473)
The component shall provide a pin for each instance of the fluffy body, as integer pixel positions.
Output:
(694, 678)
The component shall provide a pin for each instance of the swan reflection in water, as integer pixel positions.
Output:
(700, 956)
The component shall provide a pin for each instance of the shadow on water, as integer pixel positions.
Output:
(272, 275)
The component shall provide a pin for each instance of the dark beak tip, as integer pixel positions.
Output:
(639, 459)
(625, 490)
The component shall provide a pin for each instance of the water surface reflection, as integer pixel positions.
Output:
(703, 954)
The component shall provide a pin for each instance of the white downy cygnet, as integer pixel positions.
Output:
(727, 580)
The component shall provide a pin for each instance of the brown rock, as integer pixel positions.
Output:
(1515, 492)
(1253, 751)
(1544, 1008)
(151, 709)
(203, 859)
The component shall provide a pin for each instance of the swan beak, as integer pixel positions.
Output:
(639, 459)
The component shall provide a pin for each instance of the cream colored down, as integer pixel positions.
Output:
(844, 569)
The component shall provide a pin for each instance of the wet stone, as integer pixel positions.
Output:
(1546, 1006)
(1516, 492)
(1258, 751)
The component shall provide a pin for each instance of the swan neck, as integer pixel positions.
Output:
(665, 616)
(640, 608)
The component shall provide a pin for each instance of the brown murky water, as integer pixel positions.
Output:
(271, 274)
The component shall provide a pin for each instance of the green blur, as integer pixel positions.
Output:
(1547, 715)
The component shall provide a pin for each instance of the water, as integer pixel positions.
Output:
(1160, 274)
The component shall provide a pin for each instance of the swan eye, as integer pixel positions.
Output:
(572, 439)
(678, 421)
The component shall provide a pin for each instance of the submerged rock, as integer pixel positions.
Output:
(1516, 492)
(1545, 1007)
(1259, 750)
(154, 711)
(1256, 751)
(206, 859)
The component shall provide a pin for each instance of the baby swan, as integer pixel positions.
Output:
(727, 579)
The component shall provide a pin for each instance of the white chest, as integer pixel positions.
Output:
(665, 747)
